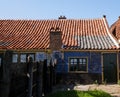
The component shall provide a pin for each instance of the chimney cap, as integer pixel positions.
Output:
(52, 29)
(57, 29)
(104, 16)
(62, 17)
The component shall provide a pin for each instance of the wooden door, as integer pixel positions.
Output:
(110, 67)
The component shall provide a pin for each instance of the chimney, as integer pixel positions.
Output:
(62, 17)
(55, 38)
(104, 16)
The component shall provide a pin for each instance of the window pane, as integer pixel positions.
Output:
(75, 61)
(71, 67)
(15, 58)
(84, 61)
(71, 60)
(80, 60)
(23, 58)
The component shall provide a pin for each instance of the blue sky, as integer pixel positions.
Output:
(52, 9)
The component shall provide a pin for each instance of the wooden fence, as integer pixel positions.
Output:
(25, 79)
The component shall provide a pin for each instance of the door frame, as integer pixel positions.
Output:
(102, 65)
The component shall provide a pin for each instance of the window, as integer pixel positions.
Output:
(23, 58)
(78, 64)
(15, 58)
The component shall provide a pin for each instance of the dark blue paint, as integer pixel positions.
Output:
(94, 61)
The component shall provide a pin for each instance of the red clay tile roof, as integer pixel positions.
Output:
(115, 29)
(76, 34)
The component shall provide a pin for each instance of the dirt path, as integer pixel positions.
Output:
(114, 90)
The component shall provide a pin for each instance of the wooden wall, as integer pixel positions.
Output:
(93, 74)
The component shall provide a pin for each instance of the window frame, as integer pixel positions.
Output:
(78, 58)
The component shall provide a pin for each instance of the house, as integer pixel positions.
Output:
(115, 31)
(82, 50)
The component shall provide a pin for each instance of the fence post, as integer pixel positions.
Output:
(39, 79)
(30, 76)
(45, 81)
(51, 76)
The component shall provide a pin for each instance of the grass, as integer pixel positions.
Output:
(74, 93)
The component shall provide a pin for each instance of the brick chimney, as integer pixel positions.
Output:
(55, 38)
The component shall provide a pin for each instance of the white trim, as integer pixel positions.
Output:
(116, 43)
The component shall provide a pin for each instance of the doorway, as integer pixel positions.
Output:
(110, 67)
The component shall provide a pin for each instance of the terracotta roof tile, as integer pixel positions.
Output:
(76, 34)
(115, 29)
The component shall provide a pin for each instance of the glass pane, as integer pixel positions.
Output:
(23, 58)
(80, 61)
(15, 58)
(75, 61)
(82, 64)
(83, 68)
(84, 61)
(71, 67)
(71, 60)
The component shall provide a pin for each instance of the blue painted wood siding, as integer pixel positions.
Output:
(94, 61)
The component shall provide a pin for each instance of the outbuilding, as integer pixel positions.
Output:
(82, 50)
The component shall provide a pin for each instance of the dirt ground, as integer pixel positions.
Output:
(113, 89)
